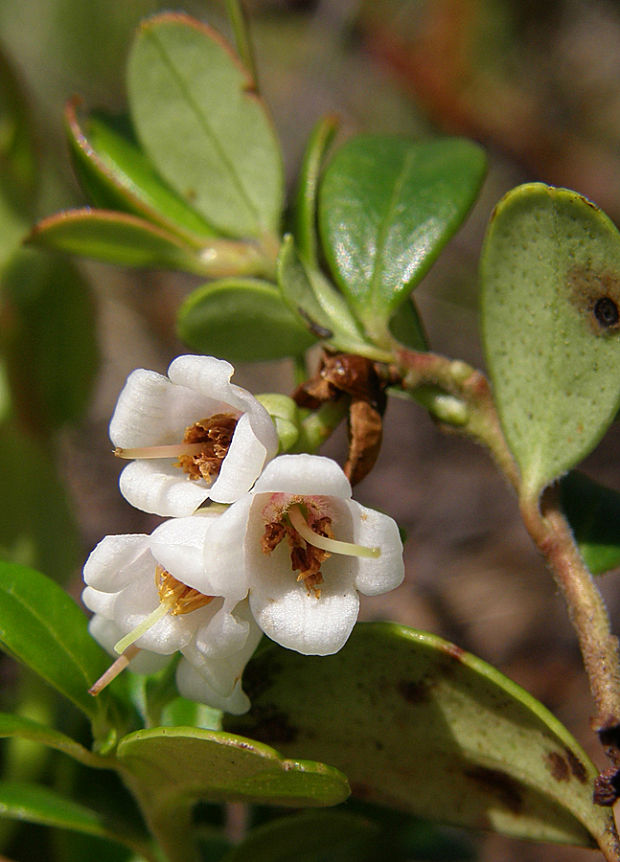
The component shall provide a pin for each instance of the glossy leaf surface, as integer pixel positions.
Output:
(241, 320)
(387, 207)
(424, 727)
(116, 174)
(184, 764)
(593, 512)
(47, 334)
(118, 238)
(41, 626)
(199, 120)
(551, 325)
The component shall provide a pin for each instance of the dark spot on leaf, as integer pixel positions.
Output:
(606, 311)
(557, 766)
(413, 692)
(379, 745)
(596, 297)
(247, 745)
(498, 784)
(576, 766)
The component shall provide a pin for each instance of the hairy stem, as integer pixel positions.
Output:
(599, 647)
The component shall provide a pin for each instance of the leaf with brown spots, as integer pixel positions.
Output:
(425, 727)
(551, 325)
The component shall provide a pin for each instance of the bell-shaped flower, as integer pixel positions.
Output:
(147, 607)
(189, 436)
(304, 549)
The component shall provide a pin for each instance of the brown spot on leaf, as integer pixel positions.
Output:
(557, 766)
(596, 297)
(576, 767)
(413, 692)
(498, 784)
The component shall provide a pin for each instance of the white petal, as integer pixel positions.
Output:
(161, 488)
(192, 685)
(205, 374)
(153, 410)
(216, 680)
(225, 563)
(224, 634)
(374, 529)
(303, 474)
(241, 466)
(111, 564)
(179, 546)
(296, 618)
(107, 634)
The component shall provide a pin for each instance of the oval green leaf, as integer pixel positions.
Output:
(180, 765)
(116, 174)
(424, 727)
(593, 512)
(41, 626)
(550, 317)
(199, 120)
(118, 238)
(242, 320)
(387, 207)
(36, 804)
(48, 333)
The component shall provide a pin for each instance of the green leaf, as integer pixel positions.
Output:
(593, 512)
(201, 123)
(184, 764)
(318, 305)
(36, 804)
(313, 836)
(387, 207)
(550, 317)
(37, 527)
(307, 188)
(12, 725)
(407, 328)
(118, 238)
(116, 174)
(241, 320)
(424, 727)
(41, 626)
(48, 340)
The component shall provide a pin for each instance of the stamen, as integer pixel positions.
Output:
(114, 670)
(333, 546)
(173, 450)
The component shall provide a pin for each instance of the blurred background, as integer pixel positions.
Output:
(537, 84)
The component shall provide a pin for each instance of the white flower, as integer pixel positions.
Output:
(143, 592)
(194, 435)
(304, 549)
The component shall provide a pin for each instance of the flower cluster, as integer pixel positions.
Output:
(287, 555)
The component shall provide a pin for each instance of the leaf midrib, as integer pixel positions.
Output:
(207, 129)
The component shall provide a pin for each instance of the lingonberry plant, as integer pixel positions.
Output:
(187, 701)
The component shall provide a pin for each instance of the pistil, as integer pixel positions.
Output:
(332, 546)
(175, 598)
